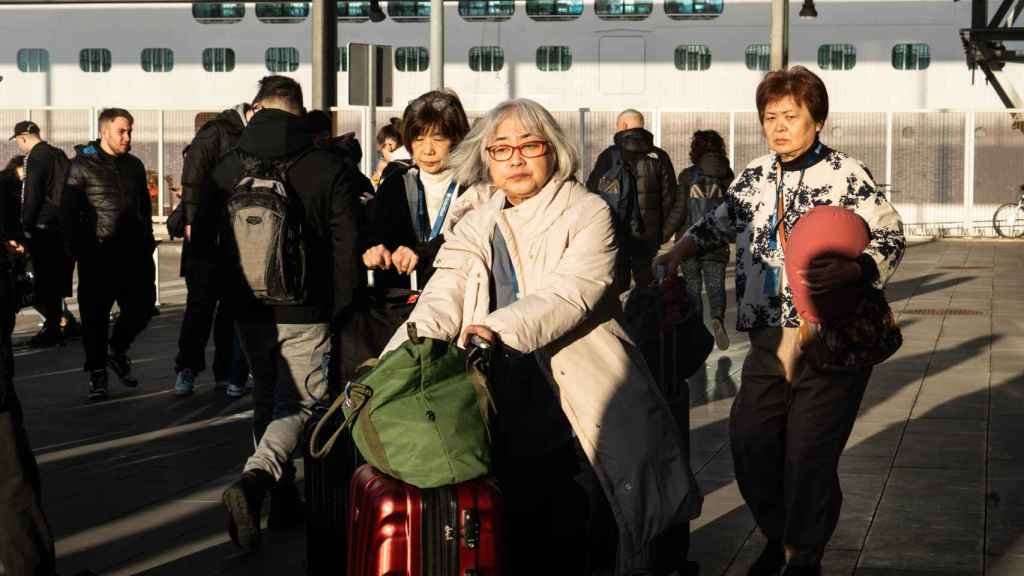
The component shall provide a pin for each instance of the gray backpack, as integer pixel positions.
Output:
(267, 229)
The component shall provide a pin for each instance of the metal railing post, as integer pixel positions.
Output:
(732, 140)
(969, 121)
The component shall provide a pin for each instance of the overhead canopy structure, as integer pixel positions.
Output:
(983, 42)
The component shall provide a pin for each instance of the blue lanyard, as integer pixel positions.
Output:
(421, 208)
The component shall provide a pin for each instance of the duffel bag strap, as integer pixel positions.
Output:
(359, 395)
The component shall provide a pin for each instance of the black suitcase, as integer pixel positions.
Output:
(326, 486)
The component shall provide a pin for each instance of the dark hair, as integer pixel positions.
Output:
(392, 130)
(280, 88)
(111, 114)
(803, 85)
(319, 122)
(440, 110)
(705, 141)
(14, 163)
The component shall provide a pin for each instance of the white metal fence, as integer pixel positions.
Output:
(948, 170)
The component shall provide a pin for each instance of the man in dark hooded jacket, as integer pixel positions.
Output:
(286, 343)
(200, 265)
(655, 180)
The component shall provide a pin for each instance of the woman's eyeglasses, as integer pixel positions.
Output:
(503, 152)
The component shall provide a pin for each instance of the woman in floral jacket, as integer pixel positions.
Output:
(789, 422)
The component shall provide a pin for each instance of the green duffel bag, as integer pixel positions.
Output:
(420, 415)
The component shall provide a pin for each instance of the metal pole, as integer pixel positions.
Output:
(371, 122)
(780, 34)
(437, 44)
(325, 49)
(969, 122)
(160, 165)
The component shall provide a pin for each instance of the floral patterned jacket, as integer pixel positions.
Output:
(821, 176)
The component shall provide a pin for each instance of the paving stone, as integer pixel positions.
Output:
(939, 443)
(1005, 435)
(942, 533)
(957, 406)
(1005, 566)
(861, 494)
(1005, 509)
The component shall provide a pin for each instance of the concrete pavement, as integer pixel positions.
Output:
(932, 475)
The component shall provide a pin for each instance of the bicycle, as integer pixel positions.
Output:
(1008, 220)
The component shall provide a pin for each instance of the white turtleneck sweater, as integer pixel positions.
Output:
(434, 187)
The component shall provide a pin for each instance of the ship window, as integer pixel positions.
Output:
(157, 59)
(759, 57)
(409, 10)
(282, 12)
(486, 58)
(837, 56)
(623, 9)
(554, 9)
(218, 13)
(693, 57)
(911, 56)
(554, 58)
(354, 11)
(412, 59)
(342, 61)
(33, 60)
(694, 9)
(218, 59)
(284, 59)
(94, 60)
(486, 10)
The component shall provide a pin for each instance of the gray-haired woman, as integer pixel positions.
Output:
(532, 266)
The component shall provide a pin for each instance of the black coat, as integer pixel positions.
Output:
(46, 168)
(210, 144)
(324, 186)
(390, 222)
(108, 199)
(655, 184)
(10, 208)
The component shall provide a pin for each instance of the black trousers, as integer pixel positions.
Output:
(204, 309)
(52, 270)
(26, 544)
(115, 271)
(787, 437)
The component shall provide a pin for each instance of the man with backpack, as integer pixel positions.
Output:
(204, 307)
(46, 168)
(290, 253)
(638, 181)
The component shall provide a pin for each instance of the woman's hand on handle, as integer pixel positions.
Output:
(405, 260)
(482, 332)
(669, 262)
(377, 258)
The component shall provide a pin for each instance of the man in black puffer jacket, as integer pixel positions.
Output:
(655, 179)
(108, 199)
(199, 263)
(285, 343)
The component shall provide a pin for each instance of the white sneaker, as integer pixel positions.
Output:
(235, 391)
(721, 336)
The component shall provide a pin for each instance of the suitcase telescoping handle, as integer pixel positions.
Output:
(414, 283)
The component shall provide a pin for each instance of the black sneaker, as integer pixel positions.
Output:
(770, 562)
(122, 366)
(98, 384)
(46, 338)
(243, 499)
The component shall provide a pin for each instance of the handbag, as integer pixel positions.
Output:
(670, 309)
(23, 278)
(867, 337)
(375, 316)
(421, 414)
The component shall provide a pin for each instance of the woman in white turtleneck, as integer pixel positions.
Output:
(413, 204)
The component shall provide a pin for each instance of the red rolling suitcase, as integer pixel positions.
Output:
(401, 530)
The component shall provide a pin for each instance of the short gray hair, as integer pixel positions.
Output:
(471, 163)
(631, 112)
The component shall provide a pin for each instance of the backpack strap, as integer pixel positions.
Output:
(411, 181)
